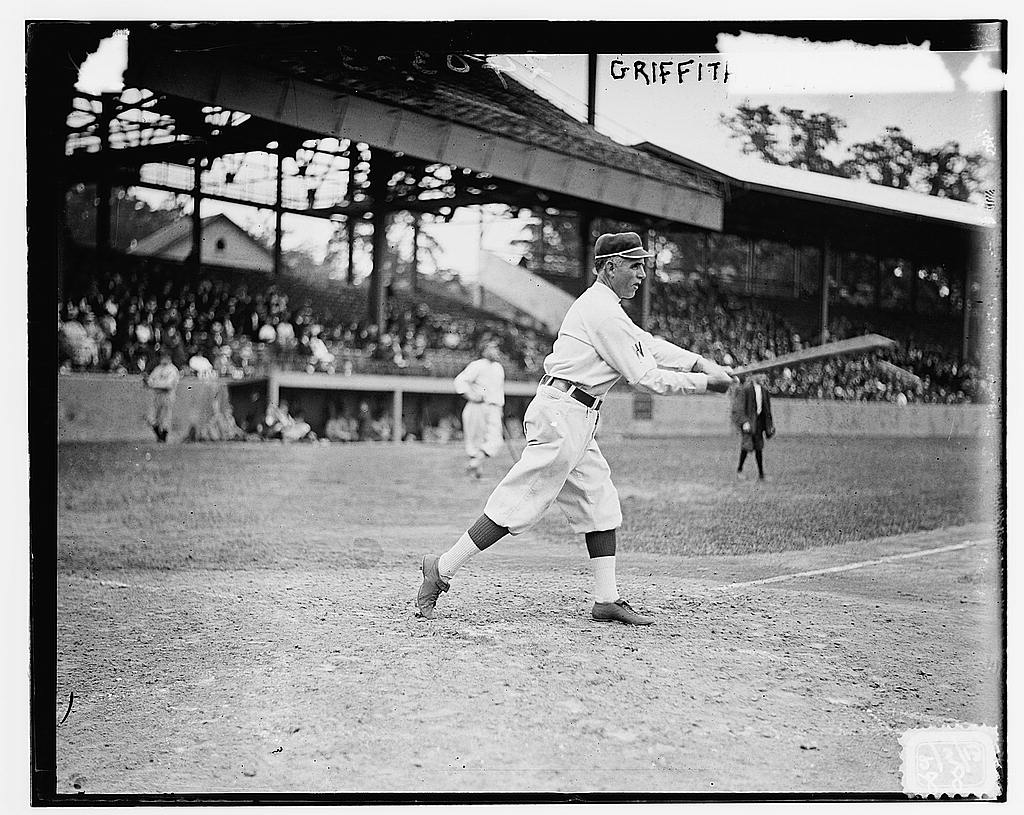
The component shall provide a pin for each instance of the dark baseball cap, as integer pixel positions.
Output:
(620, 244)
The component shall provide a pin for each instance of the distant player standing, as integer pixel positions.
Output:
(597, 344)
(163, 380)
(482, 382)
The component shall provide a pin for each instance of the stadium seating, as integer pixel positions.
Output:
(245, 322)
(737, 332)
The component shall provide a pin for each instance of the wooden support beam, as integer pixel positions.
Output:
(197, 222)
(350, 247)
(278, 214)
(414, 271)
(824, 268)
(377, 306)
(103, 184)
(396, 416)
(591, 89)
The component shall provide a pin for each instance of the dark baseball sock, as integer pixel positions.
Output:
(601, 544)
(743, 457)
(485, 532)
(760, 463)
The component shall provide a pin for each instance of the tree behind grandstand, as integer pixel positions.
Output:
(811, 141)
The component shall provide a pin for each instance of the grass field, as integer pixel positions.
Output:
(239, 618)
(262, 505)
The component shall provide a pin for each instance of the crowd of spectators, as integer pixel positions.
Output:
(699, 316)
(118, 322)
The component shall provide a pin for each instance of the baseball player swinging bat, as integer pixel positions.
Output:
(855, 345)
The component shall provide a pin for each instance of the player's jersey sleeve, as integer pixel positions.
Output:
(631, 351)
(669, 355)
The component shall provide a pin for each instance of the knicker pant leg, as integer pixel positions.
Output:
(589, 498)
(555, 438)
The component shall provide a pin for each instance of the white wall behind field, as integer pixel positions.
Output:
(709, 416)
(98, 407)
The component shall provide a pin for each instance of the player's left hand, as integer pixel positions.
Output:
(718, 382)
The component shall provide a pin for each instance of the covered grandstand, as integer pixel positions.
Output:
(303, 122)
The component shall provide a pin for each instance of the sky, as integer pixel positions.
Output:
(933, 97)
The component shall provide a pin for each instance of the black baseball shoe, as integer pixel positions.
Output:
(433, 585)
(619, 611)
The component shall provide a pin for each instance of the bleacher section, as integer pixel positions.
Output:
(246, 323)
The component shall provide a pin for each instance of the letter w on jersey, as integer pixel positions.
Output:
(639, 350)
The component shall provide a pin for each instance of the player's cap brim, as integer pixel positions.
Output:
(635, 253)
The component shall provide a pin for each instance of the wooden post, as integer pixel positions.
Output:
(350, 246)
(824, 266)
(103, 185)
(396, 416)
(414, 271)
(273, 389)
(197, 220)
(376, 306)
(591, 89)
(278, 214)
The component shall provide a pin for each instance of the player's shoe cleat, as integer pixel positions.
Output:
(433, 585)
(619, 611)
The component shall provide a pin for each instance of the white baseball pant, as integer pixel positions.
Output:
(561, 462)
(481, 429)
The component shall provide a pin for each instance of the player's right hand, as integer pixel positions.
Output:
(718, 382)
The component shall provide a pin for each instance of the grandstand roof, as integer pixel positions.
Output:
(441, 107)
(753, 173)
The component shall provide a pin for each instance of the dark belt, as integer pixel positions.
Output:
(573, 390)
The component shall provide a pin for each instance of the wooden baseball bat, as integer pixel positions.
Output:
(897, 371)
(854, 345)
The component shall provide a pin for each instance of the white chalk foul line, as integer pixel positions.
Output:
(860, 564)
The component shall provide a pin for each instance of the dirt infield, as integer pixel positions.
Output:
(255, 632)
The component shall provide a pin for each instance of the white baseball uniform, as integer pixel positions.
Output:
(597, 344)
(482, 382)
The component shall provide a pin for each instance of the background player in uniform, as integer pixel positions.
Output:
(163, 380)
(597, 344)
(752, 414)
(482, 382)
